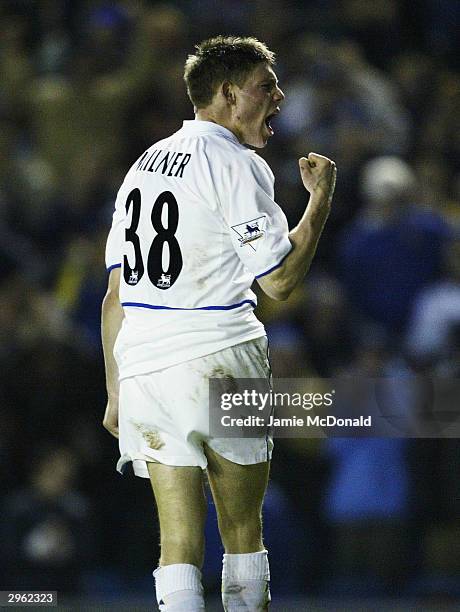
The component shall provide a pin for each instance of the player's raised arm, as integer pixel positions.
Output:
(112, 316)
(318, 176)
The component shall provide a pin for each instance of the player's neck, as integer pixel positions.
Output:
(222, 119)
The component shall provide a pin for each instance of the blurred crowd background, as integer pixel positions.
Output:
(85, 87)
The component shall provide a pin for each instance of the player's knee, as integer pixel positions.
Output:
(181, 539)
(242, 535)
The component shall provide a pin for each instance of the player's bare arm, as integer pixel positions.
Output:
(112, 317)
(318, 176)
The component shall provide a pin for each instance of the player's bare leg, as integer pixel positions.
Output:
(238, 492)
(181, 503)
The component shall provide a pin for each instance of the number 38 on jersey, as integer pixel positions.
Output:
(164, 246)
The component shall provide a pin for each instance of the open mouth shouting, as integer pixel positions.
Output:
(268, 120)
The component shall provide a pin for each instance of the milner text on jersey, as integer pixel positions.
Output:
(168, 163)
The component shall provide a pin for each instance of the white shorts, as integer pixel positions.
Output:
(164, 415)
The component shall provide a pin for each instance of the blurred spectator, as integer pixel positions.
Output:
(288, 355)
(342, 103)
(366, 506)
(435, 526)
(27, 317)
(436, 312)
(411, 71)
(81, 286)
(46, 533)
(366, 500)
(337, 101)
(393, 249)
(327, 325)
(77, 116)
(16, 67)
(441, 132)
(372, 25)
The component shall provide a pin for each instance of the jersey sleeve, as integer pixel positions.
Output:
(257, 226)
(114, 245)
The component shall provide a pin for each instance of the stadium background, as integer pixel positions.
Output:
(85, 87)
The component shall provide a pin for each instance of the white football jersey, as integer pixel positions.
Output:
(194, 223)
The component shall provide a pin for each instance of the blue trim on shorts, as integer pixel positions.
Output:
(110, 268)
(155, 307)
(274, 267)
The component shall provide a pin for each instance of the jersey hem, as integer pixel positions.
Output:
(157, 307)
(140, 369)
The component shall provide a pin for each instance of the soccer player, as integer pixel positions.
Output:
(195, 223)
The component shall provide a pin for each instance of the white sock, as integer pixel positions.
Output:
(179, 588)
(245, 582)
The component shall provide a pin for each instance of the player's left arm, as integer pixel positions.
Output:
(111, 320)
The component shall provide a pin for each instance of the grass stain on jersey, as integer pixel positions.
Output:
(197, 260)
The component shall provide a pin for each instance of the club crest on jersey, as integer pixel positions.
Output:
(164, 281)
(134, 277)
(250, 231)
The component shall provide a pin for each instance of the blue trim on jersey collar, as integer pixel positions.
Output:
(154, 307)
(110, 268)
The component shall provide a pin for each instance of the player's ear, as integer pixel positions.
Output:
(228, 91)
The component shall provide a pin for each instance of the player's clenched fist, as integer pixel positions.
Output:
(318, 175)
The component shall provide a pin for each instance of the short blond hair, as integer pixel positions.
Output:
(219, 59)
